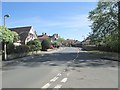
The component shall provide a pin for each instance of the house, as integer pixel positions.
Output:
(43, 37)
(25, 34)
(76, 44)
(69, 42)
(87, 41)
(54, 37)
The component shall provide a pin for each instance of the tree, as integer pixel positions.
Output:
(60, 40)
(105, 24)
(6, 35)
(16, 37)
(119, 25)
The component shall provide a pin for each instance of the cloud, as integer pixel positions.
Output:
(24, 21)
(75, 22)
(67, 22)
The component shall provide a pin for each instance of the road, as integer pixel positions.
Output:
(67, 68)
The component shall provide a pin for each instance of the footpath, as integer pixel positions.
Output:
(30, 56)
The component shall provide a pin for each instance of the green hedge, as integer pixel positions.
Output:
(21, 49)
(46, 44)
(11, 49)
(34, 45)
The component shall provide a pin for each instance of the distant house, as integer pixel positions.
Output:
(69, 42)
(43, 37)
(54, 37)
(87, 41)
(26, 34)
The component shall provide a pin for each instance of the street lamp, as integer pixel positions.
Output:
(4, 55)
(6, 16)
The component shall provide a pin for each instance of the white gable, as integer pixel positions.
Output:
(31, 36)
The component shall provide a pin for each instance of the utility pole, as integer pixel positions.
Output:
(4, 54)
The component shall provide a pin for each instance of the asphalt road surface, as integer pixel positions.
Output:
(66, 68)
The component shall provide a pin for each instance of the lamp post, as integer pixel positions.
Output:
(4, 55)
(6, 16)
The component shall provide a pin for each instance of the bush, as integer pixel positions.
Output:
(21, 49)
(56, 44)
(34, 45)
(10, 48)
(46, 44)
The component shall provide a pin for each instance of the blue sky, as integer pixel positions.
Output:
(68, 19)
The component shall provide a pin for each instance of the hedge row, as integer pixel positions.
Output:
(101, 48)
(108, 48)
(31, 46)
(17, 49)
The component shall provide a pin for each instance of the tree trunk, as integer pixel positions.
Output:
(119, 25)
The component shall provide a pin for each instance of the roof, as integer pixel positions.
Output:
(41, 37)
(69, 41)
(22, 32)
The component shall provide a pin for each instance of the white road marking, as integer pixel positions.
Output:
(59, 74)
(64, 80)
(46, 85)
(68, 74)
(54, 79)
(58, 86)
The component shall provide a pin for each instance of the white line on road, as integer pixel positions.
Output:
(54, 79)
(64, 80)
(59, 74)
(68, 74)
(46, 85)
(58, 86)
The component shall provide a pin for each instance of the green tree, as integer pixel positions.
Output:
(105, 24)
(16, 37)
(60, 40)
(6, 35)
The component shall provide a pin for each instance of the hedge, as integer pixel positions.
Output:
(46, 44)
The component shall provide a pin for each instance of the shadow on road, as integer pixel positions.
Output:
(84, 59)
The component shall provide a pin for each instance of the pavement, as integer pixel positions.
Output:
(40, 53)
(67, 67)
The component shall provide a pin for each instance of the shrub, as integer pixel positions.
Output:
(10, 48)
(21, 49)
(56, 44)
(46, 44)
(34, 45)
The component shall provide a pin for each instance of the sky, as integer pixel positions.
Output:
(68, 19)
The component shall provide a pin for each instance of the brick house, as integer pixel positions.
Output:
(43, 37)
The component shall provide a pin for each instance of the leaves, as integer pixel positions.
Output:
(105, 24)
(34, 45)
(6, 35)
